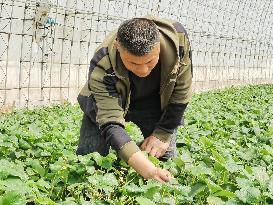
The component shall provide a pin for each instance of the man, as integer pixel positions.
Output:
(140, 73)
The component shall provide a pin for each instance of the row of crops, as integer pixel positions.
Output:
(225, 156)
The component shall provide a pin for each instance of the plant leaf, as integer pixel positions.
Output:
(214, 201)
(144, 201)
(12, 198)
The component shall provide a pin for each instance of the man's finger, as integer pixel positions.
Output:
(153, 151)
(148, 148)
(165, 176)
(158, 154)
(158, 178)
(144, 144)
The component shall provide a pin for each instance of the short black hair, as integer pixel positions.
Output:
(138, 36)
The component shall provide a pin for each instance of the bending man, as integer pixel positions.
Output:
(142, 73)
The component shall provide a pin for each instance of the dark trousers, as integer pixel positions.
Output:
(92, 141)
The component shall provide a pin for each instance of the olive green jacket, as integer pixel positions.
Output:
(109, 86)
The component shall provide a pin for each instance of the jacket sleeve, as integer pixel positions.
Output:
(172, 116)
(109, 112)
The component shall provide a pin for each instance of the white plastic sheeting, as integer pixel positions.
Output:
(47, 62)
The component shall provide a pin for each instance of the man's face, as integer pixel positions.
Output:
(140, 65)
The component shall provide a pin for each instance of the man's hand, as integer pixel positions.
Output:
(139, 162)
(161, 175)
(154, 146)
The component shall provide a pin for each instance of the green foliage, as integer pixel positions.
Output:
(225, 156)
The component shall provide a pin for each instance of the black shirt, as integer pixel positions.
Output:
(145, 90)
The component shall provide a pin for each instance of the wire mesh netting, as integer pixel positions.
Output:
(46, 46)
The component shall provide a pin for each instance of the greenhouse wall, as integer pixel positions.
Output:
(46, 46)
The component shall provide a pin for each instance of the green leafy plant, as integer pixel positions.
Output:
(225, 156)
